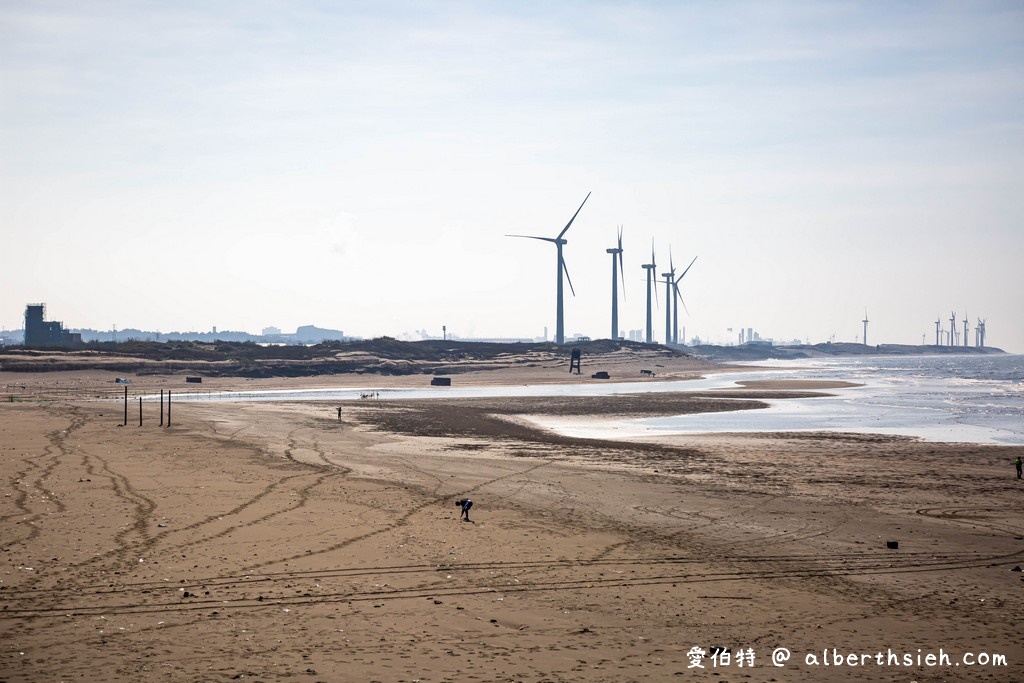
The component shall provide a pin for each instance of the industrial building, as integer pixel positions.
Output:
(39, 332)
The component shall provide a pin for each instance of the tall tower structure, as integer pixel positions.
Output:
(616, 253)
(649, 267)
(669, 279)
(865, 321)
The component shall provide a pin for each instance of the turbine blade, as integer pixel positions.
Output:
(534, 237)
(573, 217)
(622, 272)
(568, 279)
(687, 268)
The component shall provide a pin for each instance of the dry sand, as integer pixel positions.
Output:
(271, 541)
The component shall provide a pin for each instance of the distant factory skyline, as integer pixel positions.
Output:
(838, 171)
(40, 331)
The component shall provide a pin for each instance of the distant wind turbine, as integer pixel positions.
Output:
(670, 277)
(617, 271)
(649, 267)
(559, 242)
(675, 309)
(865, 321)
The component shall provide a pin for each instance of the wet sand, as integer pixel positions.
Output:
(272, 541)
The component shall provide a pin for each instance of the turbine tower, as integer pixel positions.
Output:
(980, 330)
(952, 328)
(865, 321)
(675, 310)
(670, 277)
(965, 331)
(649, 267)
(559, 243)
(938, 331)
(616, 272)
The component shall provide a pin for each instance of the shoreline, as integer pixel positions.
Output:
(795, 404)
(271, 540)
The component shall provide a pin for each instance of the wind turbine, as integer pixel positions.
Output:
(559, 242)
(670, 277)
(952, 329)
(865, 321)
(675, 312)
(616, 271)
(965, 331)
(649, 267)
(938, 331)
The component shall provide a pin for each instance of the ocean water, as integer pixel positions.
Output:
(974, 399)
(970, 399)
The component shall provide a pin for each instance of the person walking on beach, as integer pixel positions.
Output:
(465, 504)
(1019, 465)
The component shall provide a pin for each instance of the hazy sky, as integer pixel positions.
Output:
(357, 165)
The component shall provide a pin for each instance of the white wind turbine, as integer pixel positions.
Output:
(675, 310)
(649, 267)
(617, 271)
(559, 242)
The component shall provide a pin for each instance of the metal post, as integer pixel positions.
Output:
(168, 407)
(161, 407)
(125, 405)
(140, 411)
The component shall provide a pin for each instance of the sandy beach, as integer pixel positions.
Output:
(275, 541)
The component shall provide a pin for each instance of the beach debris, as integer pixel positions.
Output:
(892, 545)
(1015, 569)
